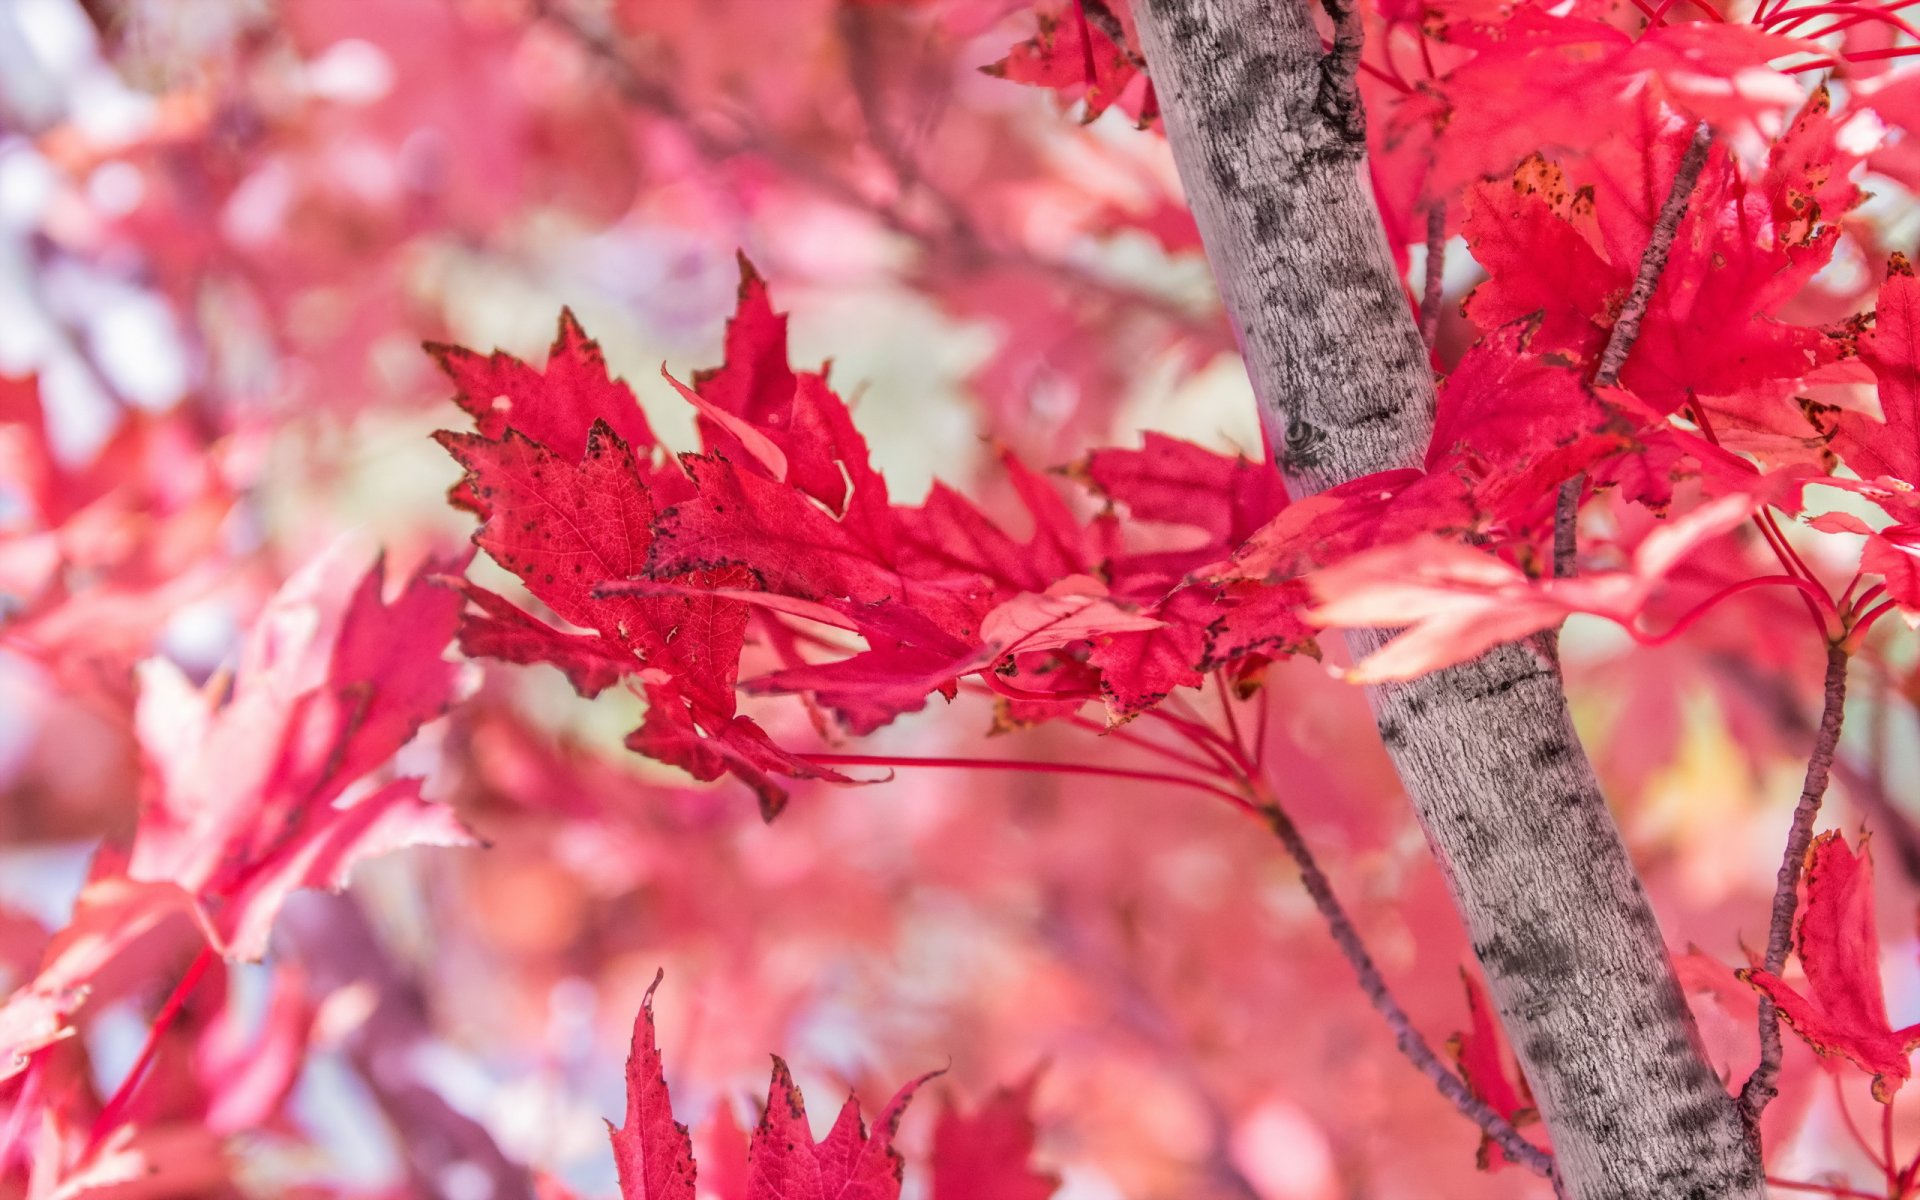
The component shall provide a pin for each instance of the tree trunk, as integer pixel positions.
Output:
(1269, 138)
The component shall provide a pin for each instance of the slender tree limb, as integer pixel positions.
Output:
(1626, 331)
(1435, 273)
(1566, 527)
(1763, 1084)
(1653, 260)
(1559, 920)
(1412, 1044)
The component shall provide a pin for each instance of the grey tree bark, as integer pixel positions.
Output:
(1268, 133)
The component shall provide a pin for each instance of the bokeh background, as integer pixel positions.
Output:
(227, 226)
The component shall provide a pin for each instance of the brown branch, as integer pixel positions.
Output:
(1435, 271)
(1626, 331)
(1566, 527)
(1411, 1043)
(1763, 1084)
(1653, 261)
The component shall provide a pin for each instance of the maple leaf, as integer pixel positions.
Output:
(706, 749)
(1843, 1011)
(987, 1153)
(756, 408)
(1601, 75)
(652, 1152)
(257, 790)
(1537, 240)
(1566, 257)
(565, 527)
(1170, 480)
(1481, 1054)
(1511, 424)
(114, 919)
(1070, 610)
(1458, 602)
(1140, 667)
(783, 1161)
(569, 524)
(557, 407)
(1075, 56)
(1889, 447)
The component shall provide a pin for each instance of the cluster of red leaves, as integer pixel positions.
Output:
(781, 528)
(979, 1155)
(782, 531)
(255, 785)
(1714, 349)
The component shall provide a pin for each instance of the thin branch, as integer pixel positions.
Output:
(1037, 766)
(1435, 272)
(1626, 331)
(1763, 1084)
(1566, 527)
(1406, 1036)
(1339, 96)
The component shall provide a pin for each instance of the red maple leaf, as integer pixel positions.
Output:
(1843, 1011)
(1601, 75)
(1075, 55)
(1481, 1054)
(261, 786)
(654, 1153)
(557, 406)
(1457, 601)
(986, 1153)
(1889, 447)
(664, 571)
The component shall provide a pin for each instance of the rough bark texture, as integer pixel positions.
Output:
(1270, 145)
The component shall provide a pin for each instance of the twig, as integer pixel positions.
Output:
(1406, 1036)
(1626, 331)
(1626, 328)
(1338, 100)
(1435, 271)
(1566, 527)
(1763, 1084)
